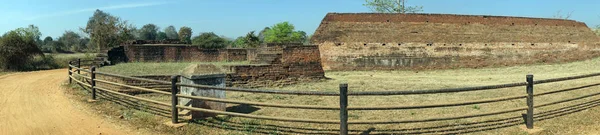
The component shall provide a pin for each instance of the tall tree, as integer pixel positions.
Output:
(149, 32)
(284, 33)
(107, 31)
(209, 40)
(171, 32)
(391, 6)
(185, 34)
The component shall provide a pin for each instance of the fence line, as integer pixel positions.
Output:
(260, 103)
(134, 97)
(134, 87)
(343, 93)
(436, 105)
(260, 117)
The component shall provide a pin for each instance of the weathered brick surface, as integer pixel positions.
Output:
(367, 41)
(171, 53)
(291, 64)
(295, 62)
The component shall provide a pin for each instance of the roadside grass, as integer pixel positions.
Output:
(147, 68)
(564, 118)
(62, 59)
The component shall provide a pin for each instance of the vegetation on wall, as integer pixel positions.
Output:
(391, 6)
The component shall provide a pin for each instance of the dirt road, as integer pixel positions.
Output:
(35, 103)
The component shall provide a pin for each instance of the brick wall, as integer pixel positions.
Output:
(367, 41)
(449, 18)
(171, 53)
(295, 62)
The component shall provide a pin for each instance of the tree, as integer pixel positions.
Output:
(307, 40)
(185, 34)
(171, 32)
(17, 50)
(161, 36)
(261, 34)
(107, 31)
(391, 6)
(251, 40)
(32, 32)
(283, 33)
(209, 40)
(70, 40)
(149, 32)
(238, 42)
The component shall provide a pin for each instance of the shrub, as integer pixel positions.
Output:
(17, 51)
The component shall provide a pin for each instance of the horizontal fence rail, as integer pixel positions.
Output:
(315, 93)
(89, 80)
(261, 104)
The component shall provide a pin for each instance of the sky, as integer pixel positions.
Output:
(233, 18)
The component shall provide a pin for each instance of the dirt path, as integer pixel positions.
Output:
(35, 103)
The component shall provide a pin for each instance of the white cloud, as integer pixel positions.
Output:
(111, 7)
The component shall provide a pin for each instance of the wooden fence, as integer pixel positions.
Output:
(75, 70)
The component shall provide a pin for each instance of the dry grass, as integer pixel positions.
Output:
(578, 120)
(158, 68)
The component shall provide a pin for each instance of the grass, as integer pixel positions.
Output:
(62, 59)
(569, 121)
(158, 68)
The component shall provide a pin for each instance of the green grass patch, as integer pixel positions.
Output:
(131, 69)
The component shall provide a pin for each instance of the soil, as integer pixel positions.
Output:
(35, 103)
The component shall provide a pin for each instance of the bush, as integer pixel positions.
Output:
(209, 40)
(17, 51)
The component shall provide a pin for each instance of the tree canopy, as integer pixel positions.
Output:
(185, 34)
(171, 33)
(391, 6)
(284, 33)
(107, 31)
(149, 32)
(71, 41)
(209, 40)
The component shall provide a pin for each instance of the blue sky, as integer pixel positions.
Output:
(233, 18)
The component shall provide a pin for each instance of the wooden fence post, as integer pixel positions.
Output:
(174, 101)
(529, 119)
(93, 76)
(70, 72)
(344, 109)
(78, 66)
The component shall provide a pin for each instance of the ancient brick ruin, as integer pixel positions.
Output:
(367, 41)
(271, 64)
